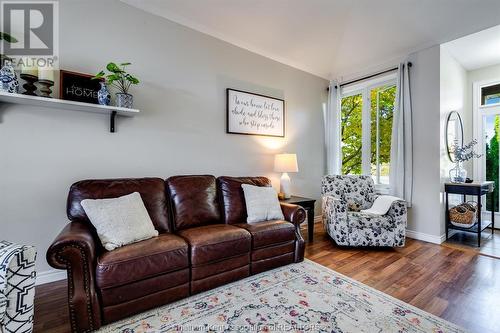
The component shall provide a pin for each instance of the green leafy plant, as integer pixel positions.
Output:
(117, 77)
(8, 38)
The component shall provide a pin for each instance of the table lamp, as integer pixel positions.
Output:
(285, 163)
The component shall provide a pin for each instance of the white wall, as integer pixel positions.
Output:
(453, 97)
(424, 219)
(180, 130)
(482, 74)
(478, 75)
(453, 90)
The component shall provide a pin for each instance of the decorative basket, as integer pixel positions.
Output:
(464, 215)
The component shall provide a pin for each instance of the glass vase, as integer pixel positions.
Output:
(458, 174)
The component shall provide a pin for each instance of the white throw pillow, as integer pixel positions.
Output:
(120, 221)
(262, 203)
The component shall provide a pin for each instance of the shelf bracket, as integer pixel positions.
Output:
(112, 117)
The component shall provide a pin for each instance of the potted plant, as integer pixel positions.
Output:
(8, 39)
(458, 174)
(121, 80)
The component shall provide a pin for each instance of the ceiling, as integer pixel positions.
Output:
(330, 38)
(477, 50)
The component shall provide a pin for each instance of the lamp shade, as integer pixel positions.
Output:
(285, 163)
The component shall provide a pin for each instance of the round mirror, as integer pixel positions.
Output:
(454, 133)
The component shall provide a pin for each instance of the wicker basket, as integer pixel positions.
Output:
(464, 215)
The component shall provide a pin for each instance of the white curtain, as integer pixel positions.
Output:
(401, 169)
(332, 131)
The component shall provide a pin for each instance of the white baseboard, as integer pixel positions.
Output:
(425, 237)
(51, 275)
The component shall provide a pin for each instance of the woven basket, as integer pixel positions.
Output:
(464, 215)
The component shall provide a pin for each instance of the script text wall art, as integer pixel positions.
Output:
(254, 114)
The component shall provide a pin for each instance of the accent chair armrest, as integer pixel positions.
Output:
(334, 206)
(398, 212)
(296, 215)
(76, 249)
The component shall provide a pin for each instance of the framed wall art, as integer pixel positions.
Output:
(254, 114)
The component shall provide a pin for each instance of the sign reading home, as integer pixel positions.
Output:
(255, 114)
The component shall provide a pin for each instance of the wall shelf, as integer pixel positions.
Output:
(54, 103)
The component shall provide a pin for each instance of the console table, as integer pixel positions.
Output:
(476, 189)
(308, 205)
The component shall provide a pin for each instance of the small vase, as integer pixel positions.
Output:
(8, 78)
(124, 100)
(458, 174)
(103, 96)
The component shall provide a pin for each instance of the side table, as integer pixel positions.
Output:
(308, 205)
(475, 189)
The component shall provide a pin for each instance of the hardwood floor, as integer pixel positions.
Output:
(456, 284)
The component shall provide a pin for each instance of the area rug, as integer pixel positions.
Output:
(303, 297)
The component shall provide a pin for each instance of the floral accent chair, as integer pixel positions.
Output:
(344, 197)
(17, 287)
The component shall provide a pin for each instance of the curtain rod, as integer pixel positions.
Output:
(368, 76)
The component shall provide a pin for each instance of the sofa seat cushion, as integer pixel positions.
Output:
(268, 233)
(215, 242)
(142, 260)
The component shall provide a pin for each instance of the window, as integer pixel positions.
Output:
(366, 128)
(490, 95)
(486, 96)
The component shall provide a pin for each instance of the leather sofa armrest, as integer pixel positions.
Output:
(293, 213)
(76, 249)
(296, 215)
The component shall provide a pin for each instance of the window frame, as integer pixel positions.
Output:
(364, 88)
(479, 112)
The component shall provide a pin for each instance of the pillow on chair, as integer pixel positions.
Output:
(120, 221)
(262, 203)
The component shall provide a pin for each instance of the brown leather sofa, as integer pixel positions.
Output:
(204, 242)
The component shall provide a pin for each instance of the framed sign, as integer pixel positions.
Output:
(254, 114)
(78, 87)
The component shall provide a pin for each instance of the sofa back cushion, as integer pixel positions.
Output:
(232, 198)
(152, 191)
(193, 200)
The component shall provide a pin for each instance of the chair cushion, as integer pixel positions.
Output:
(357, 191)
(216, 242)
(360, 220)
(269, 233)
(194, 201)
(141, 260)
(232, 197)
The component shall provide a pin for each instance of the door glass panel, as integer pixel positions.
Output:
(382, 110)
(491, 128)
(351, 129)
(490, 95)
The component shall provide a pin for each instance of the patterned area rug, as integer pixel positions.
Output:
(304, 297)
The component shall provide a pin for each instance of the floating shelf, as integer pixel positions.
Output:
(54, 103)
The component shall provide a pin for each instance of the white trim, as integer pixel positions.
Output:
(51, 275)
(425, 237)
